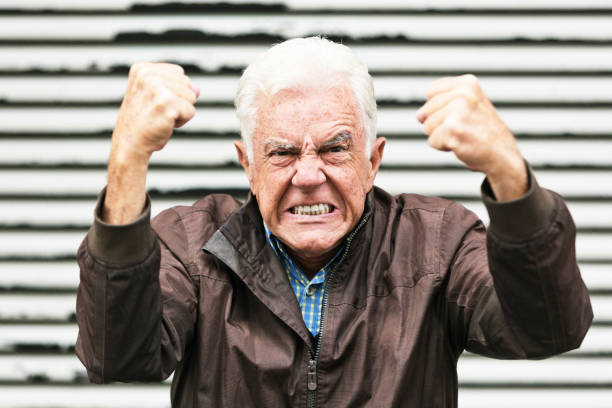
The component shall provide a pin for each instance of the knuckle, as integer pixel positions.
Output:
(470, 79)
(467, 98)
(135, 68)
(188, 112)
(176, 68)
(162, 100)
(473, 83)
(454, 125)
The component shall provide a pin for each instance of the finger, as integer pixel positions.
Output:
(439, 101)
(183, 90)
(434, 121)
(185, 112)
(441, 85)
(195, 89)
(447, 83)
(168, 67)
(439, 139)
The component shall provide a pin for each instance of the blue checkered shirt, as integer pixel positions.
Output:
(309, 294)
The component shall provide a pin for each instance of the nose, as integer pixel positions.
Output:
(308, 173)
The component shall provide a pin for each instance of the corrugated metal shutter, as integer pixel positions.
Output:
(547, 65)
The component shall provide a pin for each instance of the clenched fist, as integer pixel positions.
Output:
(159, 98)
(458, 117)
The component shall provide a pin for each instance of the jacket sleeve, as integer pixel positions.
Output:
(136, 302)
(515, 291)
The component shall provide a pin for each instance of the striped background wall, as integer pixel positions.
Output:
(547, 65)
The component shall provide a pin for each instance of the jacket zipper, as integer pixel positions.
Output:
(314, 359)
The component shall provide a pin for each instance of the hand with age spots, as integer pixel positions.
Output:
(458, 117)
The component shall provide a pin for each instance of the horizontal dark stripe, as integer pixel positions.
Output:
(195, 194)
(51, 291)
(197, 37)
(191, 69)
(82, 383)
(254, 8)
(535, 385)
(47, 259)
(233, 165)
(28, 290)
(179, 134)
(154, 193)
(381, 103)
(40, 349)
(69, 319)
(122, 75)
(84, 227)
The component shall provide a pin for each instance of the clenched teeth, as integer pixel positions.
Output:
(315, 209)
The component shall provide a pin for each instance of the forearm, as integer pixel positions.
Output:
(118, 301)
(126, 188)
(532, 258)
(509, 179)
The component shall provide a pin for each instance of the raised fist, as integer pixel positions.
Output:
(159, 98)
(458, 117)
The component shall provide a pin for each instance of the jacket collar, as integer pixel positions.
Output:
(240, 243)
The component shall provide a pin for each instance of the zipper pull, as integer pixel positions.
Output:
(312, 375)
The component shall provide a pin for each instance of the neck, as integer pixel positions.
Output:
(311, 265)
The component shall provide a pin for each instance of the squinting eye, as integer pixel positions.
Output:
(280, 153)
(336, 149)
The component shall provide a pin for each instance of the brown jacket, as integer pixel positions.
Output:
(201, 294)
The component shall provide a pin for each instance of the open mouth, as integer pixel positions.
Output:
(315, 209)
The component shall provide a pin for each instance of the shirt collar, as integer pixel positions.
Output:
(280, 251)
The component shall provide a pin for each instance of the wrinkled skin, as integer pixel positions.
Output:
(309, 148)
(459, 117)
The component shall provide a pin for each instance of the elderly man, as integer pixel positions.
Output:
(321, 290)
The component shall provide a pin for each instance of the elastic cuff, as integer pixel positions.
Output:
(125, 244)
(521, 218)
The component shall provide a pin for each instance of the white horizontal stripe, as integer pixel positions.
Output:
(532, 398)
(79, 213)
(76, 88)
(378, 57)
(64, 336)
(505, 88)
(470, 370)
(585, 214)
(323, 4)
(575, 183)
(222, 88)
(395, 121)
(39, 307)
(421, 27)
(53, 367)
(157, 396)
(62, 306)
(65, 275)
(215, 152)
(41, 275)
(566, 370)
(86, 396)
(589, 246)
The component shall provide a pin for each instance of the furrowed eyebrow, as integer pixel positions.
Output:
(275, 144)
(339, 138)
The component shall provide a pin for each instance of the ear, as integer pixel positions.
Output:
(243, 158)
(376, 156)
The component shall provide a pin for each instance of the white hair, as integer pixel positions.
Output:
(298, 64)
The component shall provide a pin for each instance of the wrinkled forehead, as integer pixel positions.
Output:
(304, 109)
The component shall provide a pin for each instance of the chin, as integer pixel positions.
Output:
(314, 247)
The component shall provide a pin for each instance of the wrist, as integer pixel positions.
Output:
(508, 179)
